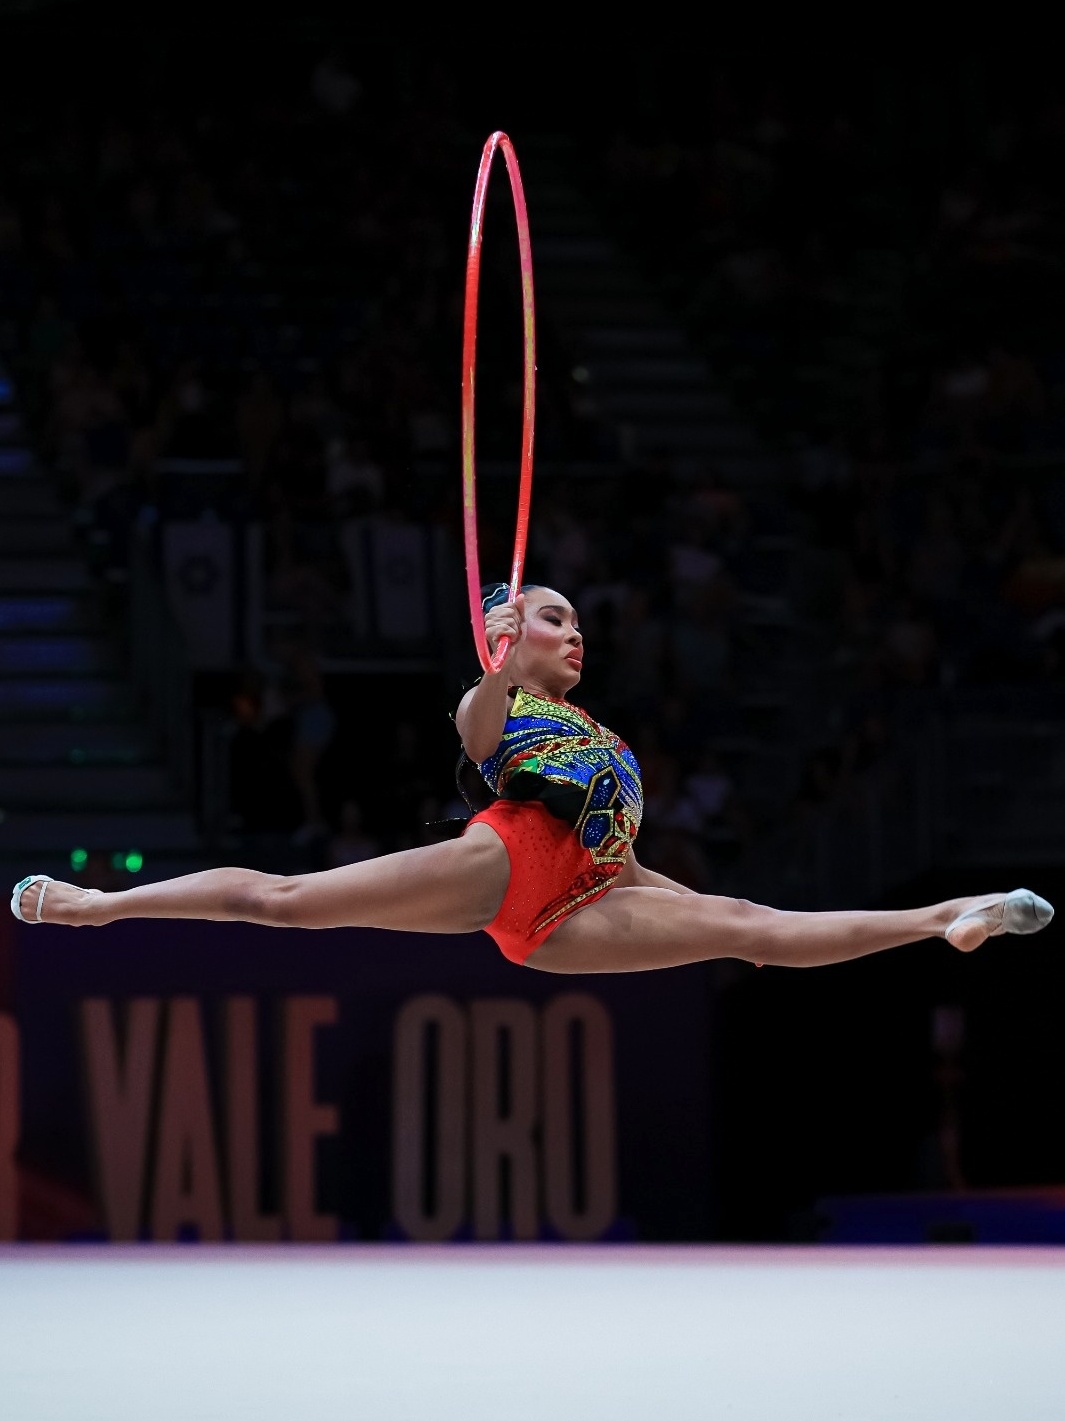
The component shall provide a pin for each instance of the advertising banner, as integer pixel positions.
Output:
(219, 1081)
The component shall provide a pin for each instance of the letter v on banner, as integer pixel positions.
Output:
(120, 1084)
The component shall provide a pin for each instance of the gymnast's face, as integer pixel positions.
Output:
(552, 647)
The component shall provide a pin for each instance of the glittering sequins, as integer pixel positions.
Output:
(555, 752)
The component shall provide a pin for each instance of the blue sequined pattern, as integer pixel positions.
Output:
(555, 752)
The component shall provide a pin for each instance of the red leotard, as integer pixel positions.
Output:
(551, 875)
(569, 808)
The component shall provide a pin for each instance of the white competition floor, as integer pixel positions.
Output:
(505, 1334)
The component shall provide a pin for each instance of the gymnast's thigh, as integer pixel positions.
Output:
(454, 887)
(640, 929)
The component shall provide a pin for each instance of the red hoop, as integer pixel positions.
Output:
(469, 363)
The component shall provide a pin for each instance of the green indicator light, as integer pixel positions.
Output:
(78, 859)
(118, 860)
(134, 862)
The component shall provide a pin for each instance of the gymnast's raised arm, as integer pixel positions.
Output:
(482, 712)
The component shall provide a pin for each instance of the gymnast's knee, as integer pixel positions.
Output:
(741, 912)
(747, 926)
(268, 898)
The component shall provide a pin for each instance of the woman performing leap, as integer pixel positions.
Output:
(547, 868)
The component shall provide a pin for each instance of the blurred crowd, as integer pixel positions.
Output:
(876, 276)
(269, 283)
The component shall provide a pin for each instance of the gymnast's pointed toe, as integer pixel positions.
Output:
(1021, 911)
(20, 888)
(1025, 912)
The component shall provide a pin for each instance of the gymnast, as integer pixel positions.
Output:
(546, 866)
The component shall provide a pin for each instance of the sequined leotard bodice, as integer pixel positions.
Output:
(556, 753)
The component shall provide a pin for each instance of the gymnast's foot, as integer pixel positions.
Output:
(43, 900)
(1021, 911)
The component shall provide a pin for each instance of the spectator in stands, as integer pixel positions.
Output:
(561, 542)
(190, 424)
(351, 843)
(260, 418)
(48, 336)
(429, 431)
(334, 87)
(710, 788)
(671, 807)
(404, 810)
(638, 661)
(354, 480)
(678, 854)
(314, 408)
(700, 645)
(693, 568)
(1015, 400)
(263, 795)
(313, 727)
(937, 559)
(958, 400)
(91, 429)
(911, 647)
(1037, 581)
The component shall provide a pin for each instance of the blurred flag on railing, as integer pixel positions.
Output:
(390, 579)
(198, 567)
(401, 579)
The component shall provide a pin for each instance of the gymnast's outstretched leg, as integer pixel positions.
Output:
(453, 887)
(639, 929)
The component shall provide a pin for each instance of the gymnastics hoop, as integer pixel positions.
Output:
(497, 142)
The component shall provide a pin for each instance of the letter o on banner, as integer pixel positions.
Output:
(579, 1079)
(429, 1084)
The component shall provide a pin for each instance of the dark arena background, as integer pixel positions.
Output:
(800, 466)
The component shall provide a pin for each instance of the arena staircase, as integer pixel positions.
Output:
(80, 768)
(661, 398)
(637, 362)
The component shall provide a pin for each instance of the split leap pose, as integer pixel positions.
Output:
(547, 867)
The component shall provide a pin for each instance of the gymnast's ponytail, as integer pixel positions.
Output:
(494, 594)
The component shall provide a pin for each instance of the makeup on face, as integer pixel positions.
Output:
(549, 631)
(555, 610)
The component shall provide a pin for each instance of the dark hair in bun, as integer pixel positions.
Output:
(494, 594)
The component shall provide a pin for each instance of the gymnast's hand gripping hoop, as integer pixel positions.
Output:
(497, 141)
